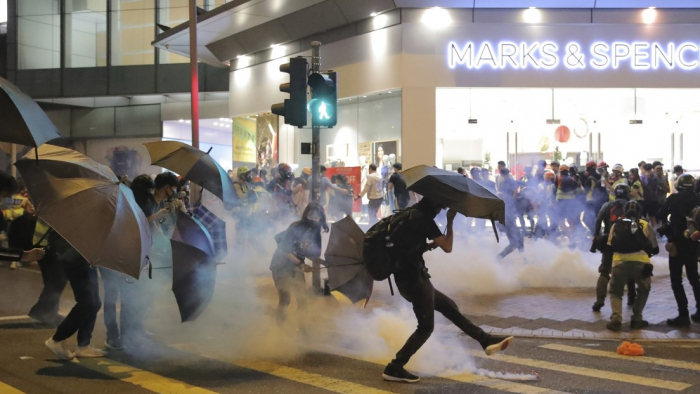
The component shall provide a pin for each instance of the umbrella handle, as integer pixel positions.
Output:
(391, 287)
(495, 232)
(210, 148)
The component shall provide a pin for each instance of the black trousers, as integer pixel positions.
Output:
(81, 319)
(54, 277)
(414, 285)
(686, 258)
(373, 208)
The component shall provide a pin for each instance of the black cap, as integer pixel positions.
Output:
(658, 163)
(678, 169)
(398, 166)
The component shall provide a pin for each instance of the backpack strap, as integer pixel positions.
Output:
(391, 287)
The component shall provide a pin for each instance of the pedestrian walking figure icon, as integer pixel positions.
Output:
(322, 112)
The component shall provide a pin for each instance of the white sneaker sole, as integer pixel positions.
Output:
(395, 379)
(503, 345)
(59, 355)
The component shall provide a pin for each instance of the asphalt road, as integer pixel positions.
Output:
(181, 366)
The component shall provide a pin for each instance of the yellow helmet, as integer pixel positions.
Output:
(242, 170)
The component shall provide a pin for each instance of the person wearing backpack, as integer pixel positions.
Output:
(413, 282)
(607, 216)
(633, 243)
(682, 250)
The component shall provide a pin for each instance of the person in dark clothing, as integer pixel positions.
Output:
(398, 185)
(54, 278)
(596, 194)
(508, 193)
(345, 200)
(413, 282)
(608, 214)
(682, 251)
(301, 240)
(81, 319)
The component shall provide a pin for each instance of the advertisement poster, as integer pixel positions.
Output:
(244, 149)
(354, 175)
(267, 141)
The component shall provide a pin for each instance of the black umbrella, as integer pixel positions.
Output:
(193, 164)
(194, 270)
(23, 121)
(347, 276)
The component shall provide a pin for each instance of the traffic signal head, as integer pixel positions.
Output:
(324, 99)
(294, 108)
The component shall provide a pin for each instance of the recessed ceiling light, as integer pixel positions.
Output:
(216, 123)
(364, 96)
(390, 92)
(274, 45)
(373, 14)
(181, 120)
(188, 121)
(533, 8)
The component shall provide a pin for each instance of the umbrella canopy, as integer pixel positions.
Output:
(194, 271)
(347, 276)
(455, 192)
(193, 164)
(84, 203)
(23, 121)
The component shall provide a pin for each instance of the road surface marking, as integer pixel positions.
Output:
(293, 374)
(20, 317)
(643, 359)
(7, 389)
(483, 381)
(582, 371)
(138, 377)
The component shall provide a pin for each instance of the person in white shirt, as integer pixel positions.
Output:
(374, 189)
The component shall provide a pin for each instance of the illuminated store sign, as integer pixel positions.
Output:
(598, 55)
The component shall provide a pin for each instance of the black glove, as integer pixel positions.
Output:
(594, 246)
(648, 271)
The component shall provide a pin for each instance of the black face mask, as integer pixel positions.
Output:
(248, 177)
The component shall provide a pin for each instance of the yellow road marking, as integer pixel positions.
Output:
(147, 380)
(483, 381)
(294, 374)
(642, 359)
(7, 389)
(589, 372)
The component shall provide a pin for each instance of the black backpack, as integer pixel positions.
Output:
(383, 245)
(567, 184)
(615, 212)
(629, 237)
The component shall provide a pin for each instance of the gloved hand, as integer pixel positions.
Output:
(593, 246)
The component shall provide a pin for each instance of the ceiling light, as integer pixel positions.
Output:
(216, 123)
(373, 14)
(274, 45)
(181, 120)
(364, 96)
(649, 15)
(532, 15)
(188, 121)
(436, 17)
(390, 92)
(241, 57)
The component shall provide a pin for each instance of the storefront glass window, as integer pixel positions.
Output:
(214, 134)
(86, 33)
(133, 30)
(39, 34)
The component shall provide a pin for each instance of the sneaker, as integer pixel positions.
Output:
(114, 344)
(679, 321)
(695, 317)
(89, 352)
(49, 319)
(614, 326)
(596, 306)
(639, 324)
(496, 343)
(60, 349)
(13, 265)
(396, 373)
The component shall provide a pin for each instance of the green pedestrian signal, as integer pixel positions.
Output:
(324, 99)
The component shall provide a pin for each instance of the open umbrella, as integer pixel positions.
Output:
(85, 204)
(455, 192)
(194, 270)
(23, 121)
(347, 276)
(193, 164)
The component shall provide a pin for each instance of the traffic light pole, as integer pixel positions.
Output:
(315, 161)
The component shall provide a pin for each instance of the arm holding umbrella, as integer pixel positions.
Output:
(444, 242)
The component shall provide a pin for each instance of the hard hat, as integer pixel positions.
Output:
(618, 167)
(563, 167)
(306, 170)
(622, 191)
(685, 181)
(242, 170)
(602, 164)
(590, 164)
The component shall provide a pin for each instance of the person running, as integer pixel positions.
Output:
(413, 282)
(633, 242)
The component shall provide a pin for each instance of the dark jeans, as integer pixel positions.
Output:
(687, 257)
(515, 239)
(81, 319)
(55, 281)
(118, 288)
(414, 285)
(373, 208)
(605, 269)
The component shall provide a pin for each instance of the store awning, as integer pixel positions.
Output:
(247, 26)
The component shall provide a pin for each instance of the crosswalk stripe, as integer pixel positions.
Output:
(644, 359)
(589, 372)
(496, 384)
(296, 375)
(7, 389)
(18, 317)
(147, 380)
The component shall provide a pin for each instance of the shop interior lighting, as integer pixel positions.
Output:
(274, 45)
(649, 15)
(373, 14)
(532, 15)
(181, 121)
(436, 17)
(635, 120)
(552, 120)
(471, 120)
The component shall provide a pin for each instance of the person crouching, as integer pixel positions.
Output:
(633, 243)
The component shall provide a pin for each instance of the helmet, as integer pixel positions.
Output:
(632, 206)
(685, 181)
(618, 167)
(242, 170)
(590, 164)
(306, 170)
(622, 191)
(549, 175)
(285, 171)
(563, 167)
(602, 164)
